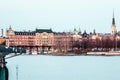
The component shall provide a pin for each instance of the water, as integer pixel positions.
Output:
(64, 68)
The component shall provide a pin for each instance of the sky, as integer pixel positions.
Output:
(60, 15)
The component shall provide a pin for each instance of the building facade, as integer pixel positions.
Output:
(40, 39)
(47, 40)
(31, 40)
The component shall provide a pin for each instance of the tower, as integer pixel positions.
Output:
(113, 27)
(94, 32)
(1, 32)
(10, 32)
(79, 31)
(75, 31)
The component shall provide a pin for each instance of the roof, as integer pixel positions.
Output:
(85, 34)
(44, 30)
(33, 32)
(24, 33)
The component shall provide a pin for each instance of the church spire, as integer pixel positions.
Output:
(79, 32)
(75, 31)
(113, 27)
(113, 19)
(94, 32)
(10, 28)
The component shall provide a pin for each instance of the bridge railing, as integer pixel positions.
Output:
(3, 52)
(7, 50)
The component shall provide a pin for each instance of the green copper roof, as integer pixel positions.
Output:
(44, 30)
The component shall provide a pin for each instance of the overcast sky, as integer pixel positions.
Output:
(60, 15)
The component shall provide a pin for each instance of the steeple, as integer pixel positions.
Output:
(79, 32)
(94, 32)
(10, 28)
(85, 31)
(113, 19)
(85, 34)
(75, 31)
(113, 27)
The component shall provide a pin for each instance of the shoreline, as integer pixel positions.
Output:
(71, 54)
(84, 54)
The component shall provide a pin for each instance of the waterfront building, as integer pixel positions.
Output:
(47, 40)
(77, 39)
(77, 35)
(40, 39)
(63, 41)
(43, 39)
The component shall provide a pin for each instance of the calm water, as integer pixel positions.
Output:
(64, 68)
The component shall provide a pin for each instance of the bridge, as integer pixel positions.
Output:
(4, 51)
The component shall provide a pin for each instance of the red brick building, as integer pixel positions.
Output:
(34, 40)
(40, 39)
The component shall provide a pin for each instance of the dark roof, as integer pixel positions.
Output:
(44, 30)
(85, 34)
(33, 32)
(24, 33)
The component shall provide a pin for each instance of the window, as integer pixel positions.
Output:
(45, 37)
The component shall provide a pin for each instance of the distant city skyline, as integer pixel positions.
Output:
(60, 15)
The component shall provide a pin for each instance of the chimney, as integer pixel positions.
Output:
(1, 32)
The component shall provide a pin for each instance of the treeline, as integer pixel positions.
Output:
(98, 44)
